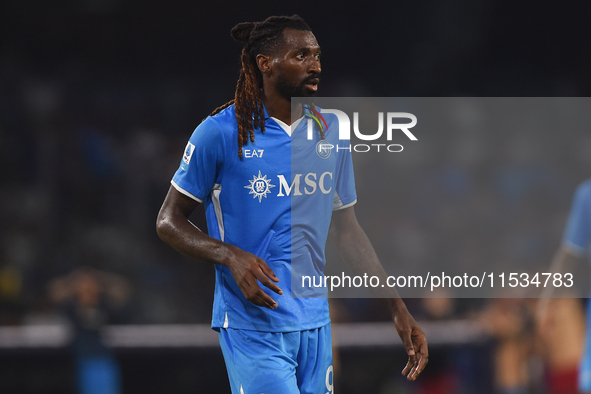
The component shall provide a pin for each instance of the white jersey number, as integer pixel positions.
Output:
(329, 380)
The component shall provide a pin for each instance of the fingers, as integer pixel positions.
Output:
(412, 358)
(418, 355)
(416, 364)
(248, 270)
(263, 276)
(409, 364)
(268, 271)
(265, 301)
(420, 366)
(256, 295)
(260, 271)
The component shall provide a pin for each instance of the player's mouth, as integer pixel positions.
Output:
(312, 84)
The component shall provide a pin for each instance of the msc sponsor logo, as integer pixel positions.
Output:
(260, 186)
(313, 183)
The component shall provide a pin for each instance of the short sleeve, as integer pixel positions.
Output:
(577, 235)
(201, 163)
(345, 194)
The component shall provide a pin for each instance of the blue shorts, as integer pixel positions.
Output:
(297, 362)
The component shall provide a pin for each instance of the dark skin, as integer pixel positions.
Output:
(293, 69)
(297, 65)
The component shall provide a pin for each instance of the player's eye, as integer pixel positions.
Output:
(300, 56)
(317, 56)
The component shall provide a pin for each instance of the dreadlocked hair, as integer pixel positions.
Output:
(258, 38)
(314, 110)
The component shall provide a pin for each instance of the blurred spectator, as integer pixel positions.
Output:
(509, 321)
(92, 299)
(10, 291)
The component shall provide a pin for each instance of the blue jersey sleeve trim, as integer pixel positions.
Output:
(202, 161)
(186, 193)
(344, 206)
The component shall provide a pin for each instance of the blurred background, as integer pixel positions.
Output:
(97, 101)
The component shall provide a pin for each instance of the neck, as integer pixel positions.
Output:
(280, 108)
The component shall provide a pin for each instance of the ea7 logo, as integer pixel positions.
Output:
(253, 152)
(345, 125)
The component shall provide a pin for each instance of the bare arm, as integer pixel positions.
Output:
(357, 251)
(174, 228)
(563, 259)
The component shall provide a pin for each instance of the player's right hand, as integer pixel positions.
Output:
(246, 269)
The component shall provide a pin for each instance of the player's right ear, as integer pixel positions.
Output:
(264, 63)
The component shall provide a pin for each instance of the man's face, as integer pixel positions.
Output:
(297, 65)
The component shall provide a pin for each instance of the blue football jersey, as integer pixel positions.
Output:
(275, 202)
(577, 235)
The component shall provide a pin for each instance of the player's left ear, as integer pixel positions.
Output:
(264, 63)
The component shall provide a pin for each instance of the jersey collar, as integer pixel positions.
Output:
(306, 111)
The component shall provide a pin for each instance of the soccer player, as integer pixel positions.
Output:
(575, 244)
(271, 204)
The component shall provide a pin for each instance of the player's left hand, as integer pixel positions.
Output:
(415, 343)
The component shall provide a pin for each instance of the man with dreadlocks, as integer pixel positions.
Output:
(239, 162)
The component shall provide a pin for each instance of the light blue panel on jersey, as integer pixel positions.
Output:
(322, 181)
(248, 203)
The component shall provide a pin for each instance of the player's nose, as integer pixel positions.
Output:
(314, 66)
